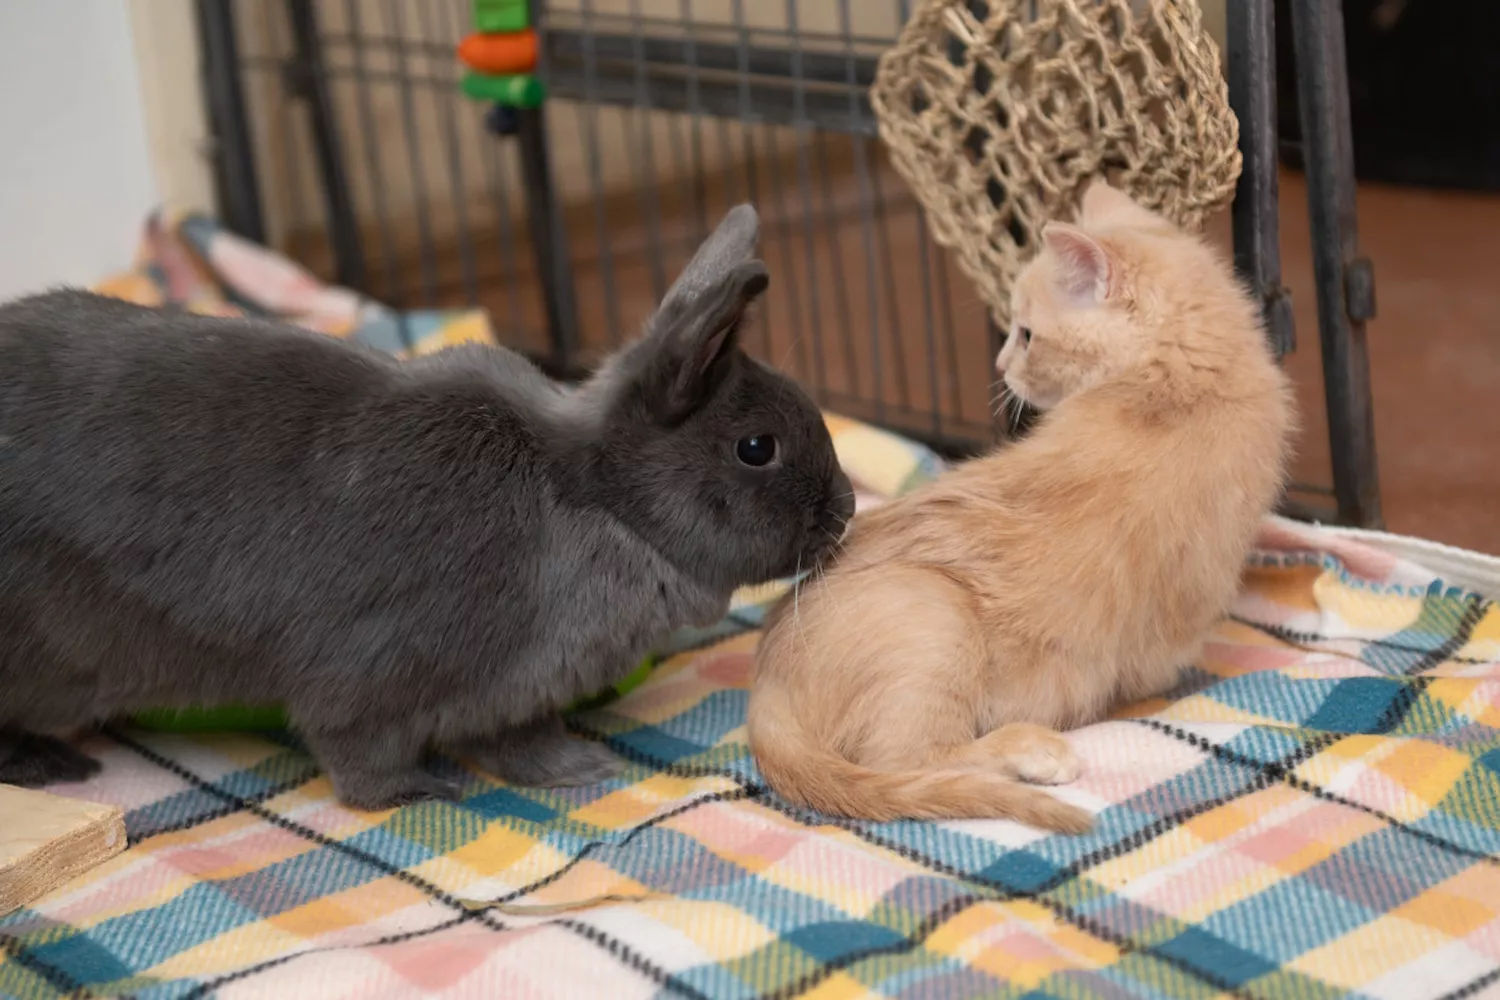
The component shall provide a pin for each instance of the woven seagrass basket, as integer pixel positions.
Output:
(998, 113)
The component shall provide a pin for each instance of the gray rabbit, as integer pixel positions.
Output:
(433, 554)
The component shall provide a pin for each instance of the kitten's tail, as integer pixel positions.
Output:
(809, 774)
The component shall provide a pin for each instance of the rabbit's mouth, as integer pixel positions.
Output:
(834, 528)
(826, 525)
(820, 541)
(816, 552)
(826, 537)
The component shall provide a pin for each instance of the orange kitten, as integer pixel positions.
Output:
(927, 673)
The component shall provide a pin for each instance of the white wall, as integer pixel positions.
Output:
(75, 175)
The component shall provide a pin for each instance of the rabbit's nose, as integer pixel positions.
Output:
(841, 496)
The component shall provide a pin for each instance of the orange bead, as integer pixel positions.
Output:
(514, 52)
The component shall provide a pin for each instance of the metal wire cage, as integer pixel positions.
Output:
(342, 138)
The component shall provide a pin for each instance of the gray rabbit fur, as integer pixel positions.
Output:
(435, 554)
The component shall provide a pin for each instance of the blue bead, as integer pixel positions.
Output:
(502, 120)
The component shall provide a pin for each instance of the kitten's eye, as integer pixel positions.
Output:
(757, 451)
(1025, 332)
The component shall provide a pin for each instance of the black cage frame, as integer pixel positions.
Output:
(826, 93)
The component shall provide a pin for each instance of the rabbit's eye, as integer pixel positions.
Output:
(1025, 332)
(756, 451)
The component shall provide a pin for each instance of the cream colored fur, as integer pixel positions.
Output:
(926, 674)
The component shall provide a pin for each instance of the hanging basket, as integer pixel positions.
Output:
(999, 112)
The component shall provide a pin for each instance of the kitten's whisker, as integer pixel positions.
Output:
(1000, 395)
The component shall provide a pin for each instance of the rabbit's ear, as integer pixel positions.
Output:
(689, 341)
(699, 319)
(726, 248)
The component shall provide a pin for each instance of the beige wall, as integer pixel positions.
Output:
(1213, 19)
(166, 44)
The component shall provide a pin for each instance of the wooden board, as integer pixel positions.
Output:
(47, 840)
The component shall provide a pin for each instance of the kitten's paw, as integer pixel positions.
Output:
(552, 763)
(1048, 766)
(388, 791)
(1036, 754)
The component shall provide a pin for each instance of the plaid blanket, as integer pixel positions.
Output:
(1316, 813)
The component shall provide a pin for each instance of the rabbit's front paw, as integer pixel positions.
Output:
(574, 762)
(379, 768)
(367, 790)
(542, 754)
(31, 760)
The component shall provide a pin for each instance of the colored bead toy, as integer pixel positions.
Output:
(501, 56)
(523, 91)
(498, 16)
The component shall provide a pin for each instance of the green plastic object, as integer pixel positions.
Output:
(499, 16)
(520, 91)
(224, 719)
(253, 718)
(632, 680)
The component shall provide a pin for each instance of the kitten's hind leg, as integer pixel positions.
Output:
(1024, 751)
(378, 768)
(31, 760)
(1161, 680)
(542, 754)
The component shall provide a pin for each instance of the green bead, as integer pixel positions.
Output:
(520, 91)
(498, 16)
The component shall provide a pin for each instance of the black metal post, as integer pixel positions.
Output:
(232, 153)
(1346, 283)
(549, 242)
(310, 78)
(1257, 233)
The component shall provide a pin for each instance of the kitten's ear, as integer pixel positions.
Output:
(1106, 205)
(1085, 273)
